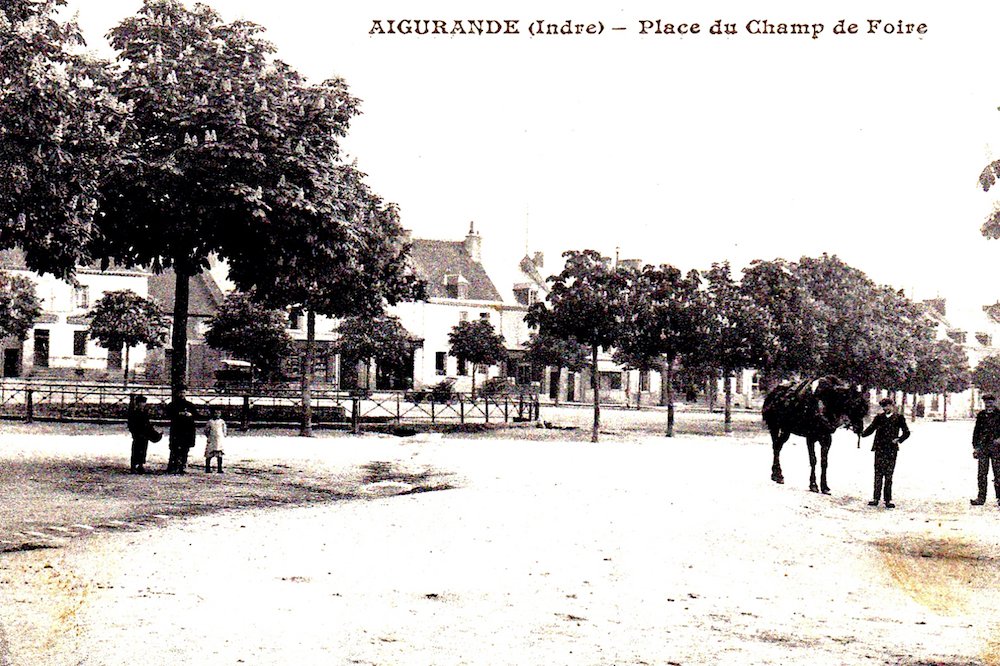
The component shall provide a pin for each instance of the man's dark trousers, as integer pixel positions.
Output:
(987, 457)
(885, 465)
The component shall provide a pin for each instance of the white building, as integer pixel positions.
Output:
(58, 346)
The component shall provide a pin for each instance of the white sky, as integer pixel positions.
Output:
(684, 150)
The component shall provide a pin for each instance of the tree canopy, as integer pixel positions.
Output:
(59, 127)
(19, 306)
(123, 318)
(252, 332)
(585, 302)
(477, 342)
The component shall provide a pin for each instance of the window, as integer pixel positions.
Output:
(463, 316)
(484, 315)
(456, 286)
(41, 348)
(462, 369)
(295, 319)
(525, 295)
(79, 343)
(81, 296)
(644, 380)
(440, 363)
(611, 381)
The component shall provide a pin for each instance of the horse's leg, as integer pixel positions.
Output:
(811, 445)
(778, 439)
(824, 453)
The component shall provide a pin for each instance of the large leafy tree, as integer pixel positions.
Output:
(341, 250)
(125, 319)
(477, 342)
(942, 366)
(252, 332)
(845, 300)
(585, 303)
(59, 125)
(381, 338)
(213, 120)
(19, 306)
(544, 350)
(732, 329)
(679, 317)
(793, 324)
(986, 376)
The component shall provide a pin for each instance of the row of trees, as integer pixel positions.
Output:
(196, 142)
(785, 319)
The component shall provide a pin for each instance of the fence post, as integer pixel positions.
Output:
(432, 410)
(399, 418)
(538, 409)
(356, 415)
(506, 407)
(461, 410)
(486, 405)
(245, 414)
(29, 407)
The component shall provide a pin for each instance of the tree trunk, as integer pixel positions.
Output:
(667, 372)
(665, 389)
(559, 385)
(595, 385)
(473, 382)
(307, 375)
(628, 388)
(125, 374)
(727, 389)
(178, 337)
(944, 406)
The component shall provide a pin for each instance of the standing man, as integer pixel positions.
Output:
(890, 430)
(142, 432)
(182, 432)
(986, 448)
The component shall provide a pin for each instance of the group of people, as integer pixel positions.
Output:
(182, 416)
(890, 430)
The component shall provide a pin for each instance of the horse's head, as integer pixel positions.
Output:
(855, 409)
(849, 405)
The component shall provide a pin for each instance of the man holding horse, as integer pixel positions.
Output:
(890, 430)
(986, 447)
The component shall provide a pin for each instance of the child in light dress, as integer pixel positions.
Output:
(215, 432)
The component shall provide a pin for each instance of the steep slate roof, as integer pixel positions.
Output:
(205, 294)
(433, 259)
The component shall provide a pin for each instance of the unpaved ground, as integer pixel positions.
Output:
(645, 551)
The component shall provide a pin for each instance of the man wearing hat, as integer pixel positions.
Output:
(890, 429)
(986, 447)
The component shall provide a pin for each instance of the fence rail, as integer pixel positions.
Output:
(81, 401)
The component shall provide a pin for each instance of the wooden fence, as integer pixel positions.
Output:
(101, 402)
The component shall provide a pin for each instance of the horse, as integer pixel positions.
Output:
(812, 408)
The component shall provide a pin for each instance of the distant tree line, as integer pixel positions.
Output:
(783, 319)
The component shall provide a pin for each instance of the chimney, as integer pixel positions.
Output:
(473, 244)
(538, 260)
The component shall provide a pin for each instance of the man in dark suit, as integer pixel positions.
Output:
(142, 433)
(890, 430)
(182, 432)
(986, 448)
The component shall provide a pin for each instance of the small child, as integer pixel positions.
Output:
(215, 432)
